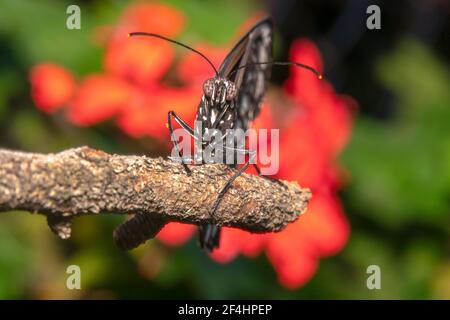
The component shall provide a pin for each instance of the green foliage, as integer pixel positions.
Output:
(37, 32)
(400, 180)
(401, 168)
(15, 259)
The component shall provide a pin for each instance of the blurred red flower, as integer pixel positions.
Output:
(194, 70)
(152, 17)
(313, 130)
(52, 86)
(175, 233)
(99, 97)
(146, 113)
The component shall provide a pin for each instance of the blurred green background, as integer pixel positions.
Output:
(397, 198)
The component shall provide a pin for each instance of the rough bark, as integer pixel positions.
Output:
(85, 181)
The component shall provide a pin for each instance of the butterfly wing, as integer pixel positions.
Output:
(251, 81)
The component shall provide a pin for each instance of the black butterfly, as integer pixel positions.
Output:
(231, 100)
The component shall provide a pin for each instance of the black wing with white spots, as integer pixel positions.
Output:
(251, 81)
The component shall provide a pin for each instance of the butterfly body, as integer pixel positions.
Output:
(232, 99)
(217, 109)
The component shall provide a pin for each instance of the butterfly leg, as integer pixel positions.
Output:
(268, 177)
(229, 183)
(209, 235)
(252, 153)
(186, 127)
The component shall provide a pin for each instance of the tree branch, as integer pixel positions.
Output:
(84, 181)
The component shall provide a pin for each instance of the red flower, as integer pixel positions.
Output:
(234, 241)
(302, 155)
(195, 70)
(146, 113)
(143, 60)
(52, 86)
(328, 111)
(322, 231)
(152, 17)
(175, 233)
(99, 97)
(140, 60)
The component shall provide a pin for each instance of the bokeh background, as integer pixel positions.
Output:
(372, 141)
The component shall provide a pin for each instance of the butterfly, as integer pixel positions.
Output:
(231, 100)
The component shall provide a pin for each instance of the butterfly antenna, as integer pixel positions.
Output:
(283, 63)
(132, 34)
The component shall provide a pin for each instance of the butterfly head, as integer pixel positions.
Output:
(218, 91)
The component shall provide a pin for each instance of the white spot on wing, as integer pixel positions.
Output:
(213, 116)
(260, 85)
